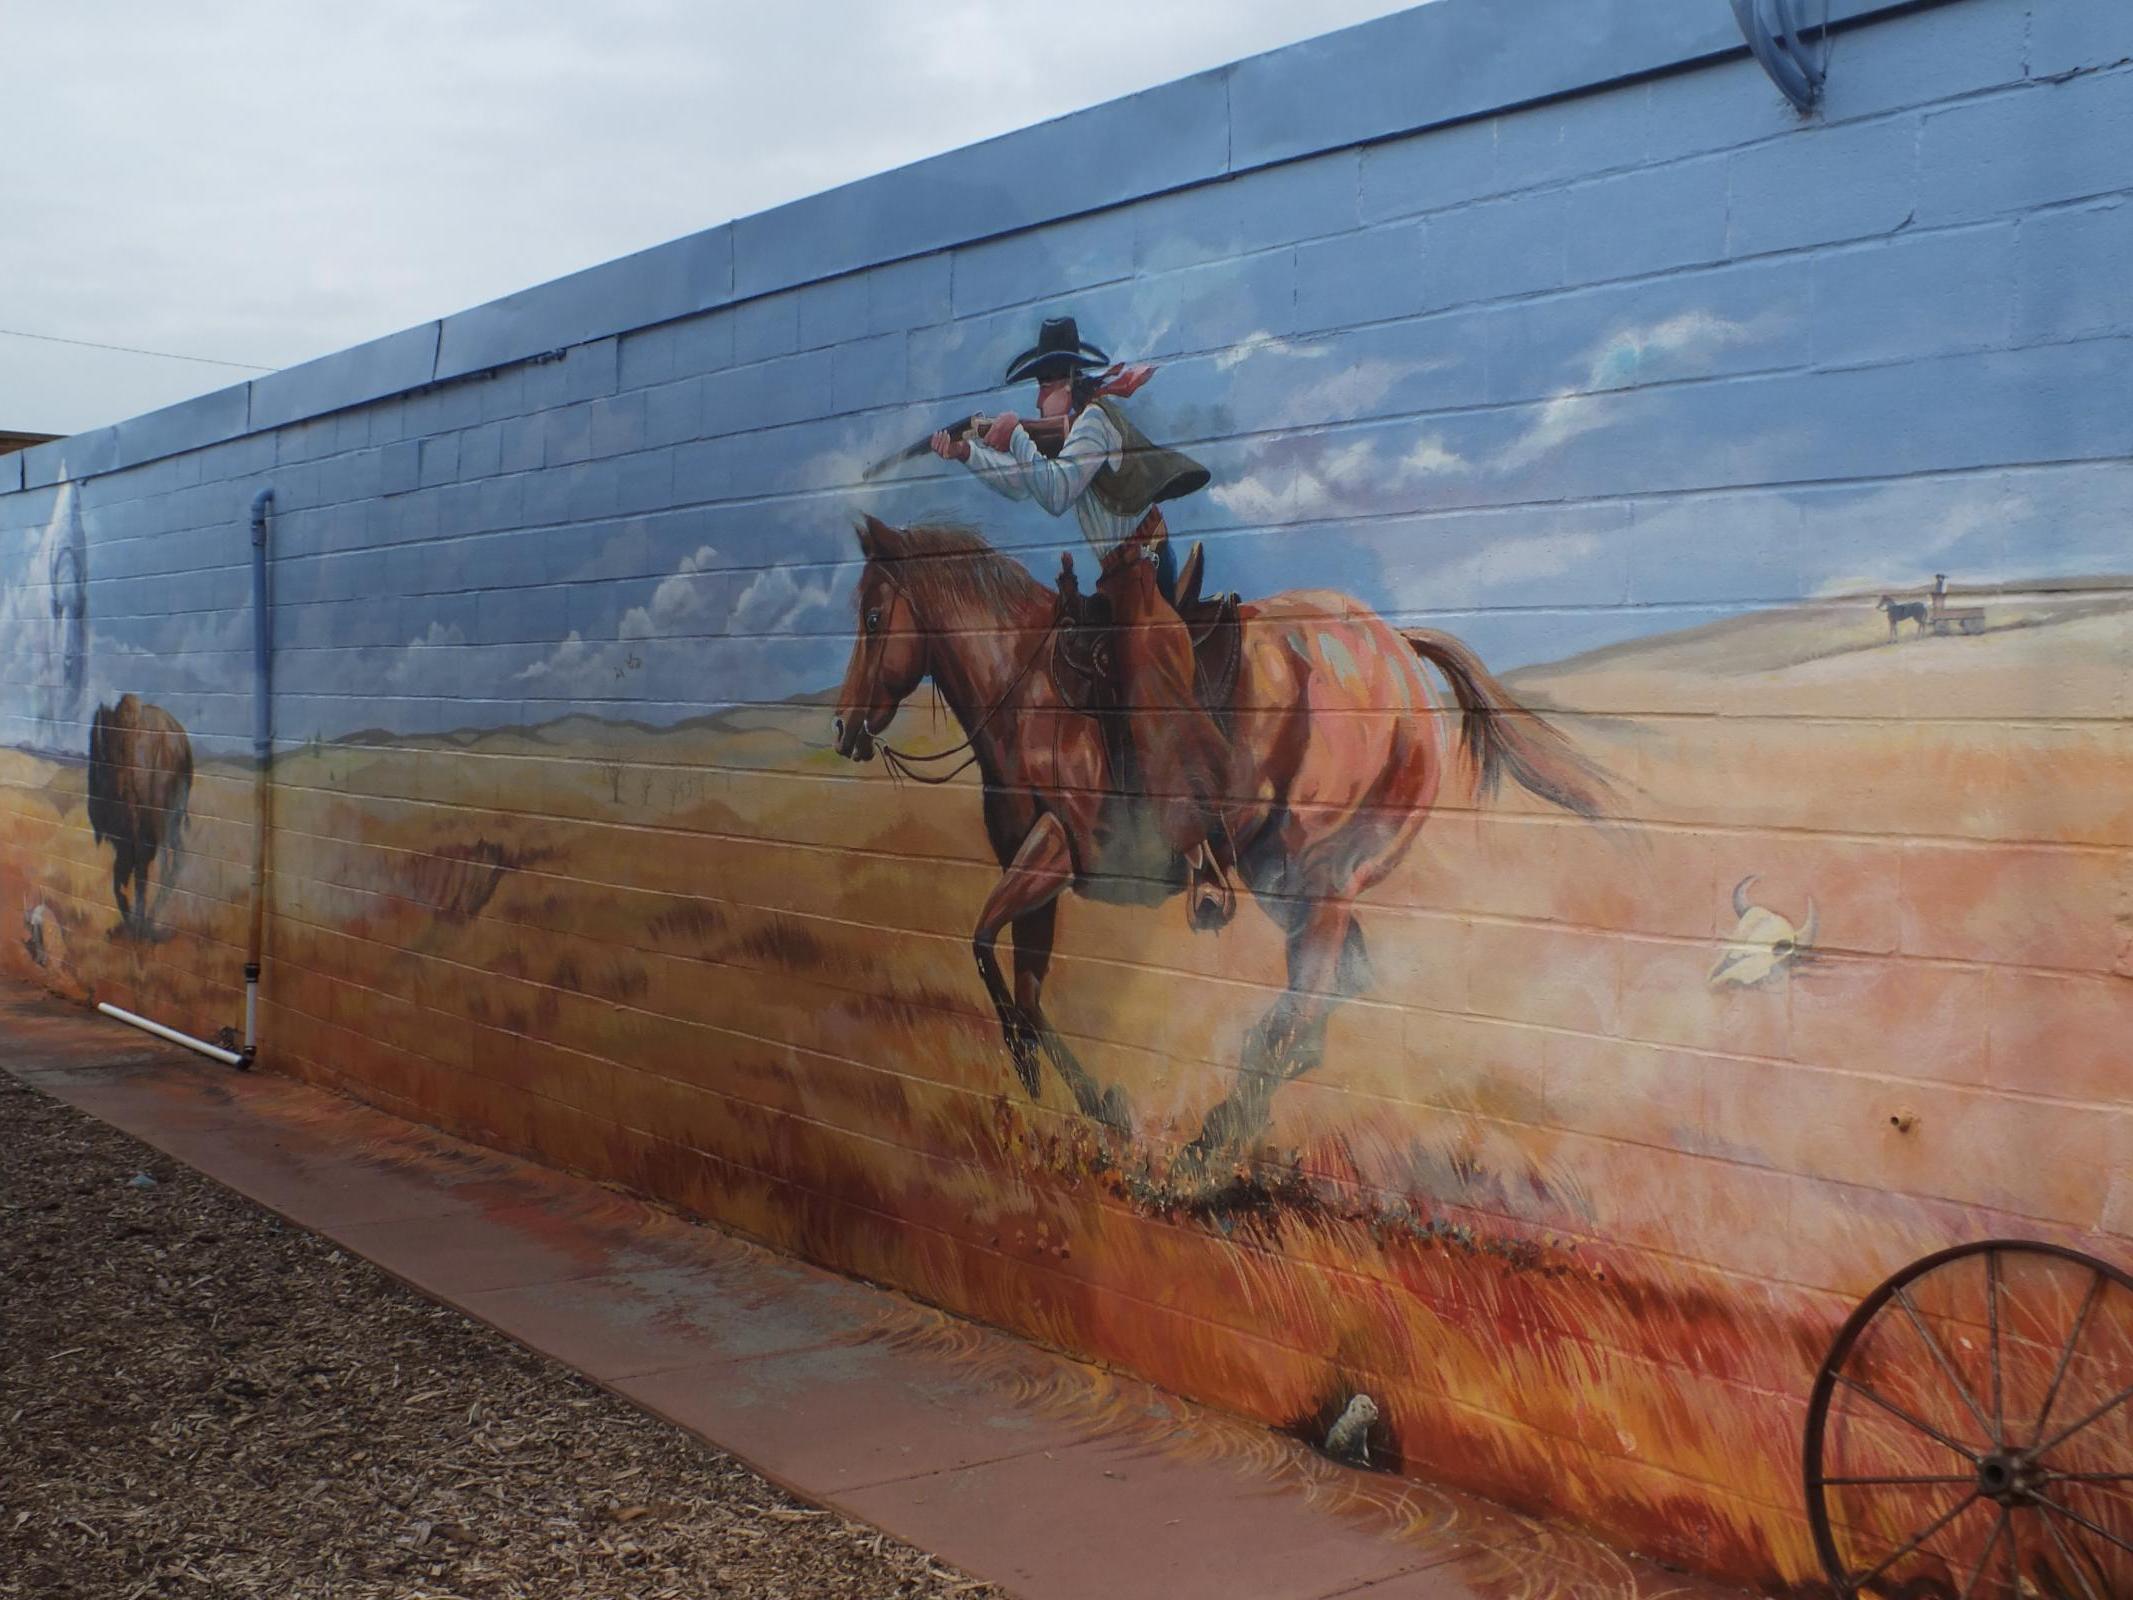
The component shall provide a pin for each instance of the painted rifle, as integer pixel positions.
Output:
(1047, 433)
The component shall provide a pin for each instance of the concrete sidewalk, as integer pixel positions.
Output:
(1053, 1479)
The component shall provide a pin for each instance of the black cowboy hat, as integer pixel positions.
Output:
(1058, 351)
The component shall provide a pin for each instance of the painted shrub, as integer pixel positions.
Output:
(1644, 856)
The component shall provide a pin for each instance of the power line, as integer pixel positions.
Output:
(131, 350)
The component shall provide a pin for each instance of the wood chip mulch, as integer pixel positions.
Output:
(198, 1399)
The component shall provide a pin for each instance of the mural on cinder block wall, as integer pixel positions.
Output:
(1530, 1139)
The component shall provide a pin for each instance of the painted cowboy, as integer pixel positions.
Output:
(1114, 479)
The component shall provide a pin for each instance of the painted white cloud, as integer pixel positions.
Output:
(1616, 363)
(775, 601)
(681, 603)
(416, 669)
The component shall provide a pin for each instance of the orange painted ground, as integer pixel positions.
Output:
(1579, 1221)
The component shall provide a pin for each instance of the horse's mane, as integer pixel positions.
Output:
(945, 565)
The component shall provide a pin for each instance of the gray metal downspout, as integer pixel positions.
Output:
(262, 764)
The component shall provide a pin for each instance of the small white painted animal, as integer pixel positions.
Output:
(35, 919)
(1349, 1437)
(1763, 944)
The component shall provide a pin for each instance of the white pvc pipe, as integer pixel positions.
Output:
(228, 1058)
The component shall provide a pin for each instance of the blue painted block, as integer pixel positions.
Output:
(2075, 274)
(502, 502)
(656, 285)
(2079, 36)
(768, 394)
(645, 481)
(1211, 307)
(2014, 152)
(1935, 54)
(909, 294)
(569, 434)
(1429, 171)
(503, 394)
(481, 450)
(646, 357)
(618, 424)
(397, 362)
(1571, 139)
(1498, 249)
(833, 311)
(1372, 276)
(702, 470)
(85, 455)
(1160, 139)
(591, 489)
(1451, 60)
(440, 460)
(1908, 297)
(674, 412)
(868, 372)
(591, 370)
(1257, 211)
(400, 466)
(522, 443)
(1043, 262)
(765, 328)
(1821, 185)
(204, 419)
(1654, 220)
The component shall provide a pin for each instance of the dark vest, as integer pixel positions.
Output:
(1147, 473)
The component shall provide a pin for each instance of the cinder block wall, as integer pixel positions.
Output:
(1550, 327)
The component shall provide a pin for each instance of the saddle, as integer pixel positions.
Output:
(1084, 663)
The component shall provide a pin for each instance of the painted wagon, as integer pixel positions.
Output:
(1943, 618)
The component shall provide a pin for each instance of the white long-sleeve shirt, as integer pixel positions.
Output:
(1023, 472)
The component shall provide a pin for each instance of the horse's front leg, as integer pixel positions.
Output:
(1042, 868)
(1290, 1040)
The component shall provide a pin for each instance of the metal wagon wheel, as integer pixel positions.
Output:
(1970, 1437)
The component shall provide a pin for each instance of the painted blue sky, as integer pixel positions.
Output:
(1542, 478)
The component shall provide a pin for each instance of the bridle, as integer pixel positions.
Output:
(906, 763)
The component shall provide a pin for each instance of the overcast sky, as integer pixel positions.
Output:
(262, 182)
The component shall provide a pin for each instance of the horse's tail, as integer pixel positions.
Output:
(1500, 735)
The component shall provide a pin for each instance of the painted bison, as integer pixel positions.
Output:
(140, 783)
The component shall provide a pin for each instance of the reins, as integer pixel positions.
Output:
(905, 764)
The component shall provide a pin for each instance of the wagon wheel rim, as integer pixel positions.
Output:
(1989, 1388)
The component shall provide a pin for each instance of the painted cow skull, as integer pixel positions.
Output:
(1763, 943)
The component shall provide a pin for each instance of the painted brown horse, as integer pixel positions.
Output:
(140, 788)
(1337, 755)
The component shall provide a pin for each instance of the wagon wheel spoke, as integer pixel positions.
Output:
(1855, 1483)
(1947, 1367)
(2073, 1563)
(2090, 1523)
(2090, 1477)
(1897, 1411)
(1985, 1557)
(2066, 1353)
(2073, 1428)
(1992, 1324)
(1916, 1539)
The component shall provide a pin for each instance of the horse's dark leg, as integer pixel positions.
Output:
(1042, 868)
(1290, 1039)
(1033, 957)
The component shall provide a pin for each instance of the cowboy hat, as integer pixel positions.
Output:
(1057, 352)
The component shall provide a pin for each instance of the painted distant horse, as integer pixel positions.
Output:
(1336, 759)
